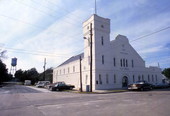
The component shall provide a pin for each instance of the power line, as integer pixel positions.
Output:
(62, 8)
(150, 34)
(52, 16)
(39, 54)
(36, 26)
(51, 8)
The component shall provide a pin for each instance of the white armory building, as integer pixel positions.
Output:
(115, 63)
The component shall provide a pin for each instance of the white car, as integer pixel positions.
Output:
(27, 82)
(42, 83)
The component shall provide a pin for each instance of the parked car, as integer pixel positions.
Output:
(27, 82)
(59, 86)
(140, 85)
(42, 83)
(53, 84)
(161, 85)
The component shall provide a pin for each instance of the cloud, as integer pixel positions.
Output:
(151, 50)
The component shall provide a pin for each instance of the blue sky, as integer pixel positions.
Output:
(32, 30)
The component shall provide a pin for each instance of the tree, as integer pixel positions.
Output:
(3, 72)
(19, 74)
(48, 75)
(166, 72)
(30, 74)
(2, 54)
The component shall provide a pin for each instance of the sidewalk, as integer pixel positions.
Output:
(101, 91)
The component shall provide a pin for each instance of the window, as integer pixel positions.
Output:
(107, 78)
(142, 77)
(114, 78)
(133, 78)
(73, 68)
(60, 72)
(102, 59)
(102, 40)
(102, 26)
(132, 64)
(86, 79)
(97, 82)
(68, 70)
(64, 71)
(126, 63)
(114, 61)
(100, 79)
(148, 78)
(139, 78)
(121, 62)
(156, 78)
(152, 79)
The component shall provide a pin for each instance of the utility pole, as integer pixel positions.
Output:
(44, 69)
(91, 57)
(80, 76)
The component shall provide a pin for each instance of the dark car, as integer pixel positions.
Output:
(59, 86)
(140, 85)
(161, 85)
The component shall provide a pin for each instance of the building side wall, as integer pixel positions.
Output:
(69, 73)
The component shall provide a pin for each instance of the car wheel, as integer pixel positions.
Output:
(51, 89)
(151, 88)
(142, 89)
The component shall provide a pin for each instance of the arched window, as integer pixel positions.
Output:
(126, 63)
(121, 62)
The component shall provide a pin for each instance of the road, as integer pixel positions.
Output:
(18, 100)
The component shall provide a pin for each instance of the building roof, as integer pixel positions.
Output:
(73, 58)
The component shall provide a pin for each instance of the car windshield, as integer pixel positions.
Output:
(40, 82)
(140, 82)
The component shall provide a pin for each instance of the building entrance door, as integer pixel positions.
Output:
(124, 81)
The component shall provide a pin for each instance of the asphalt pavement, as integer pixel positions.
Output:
(19, 100)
